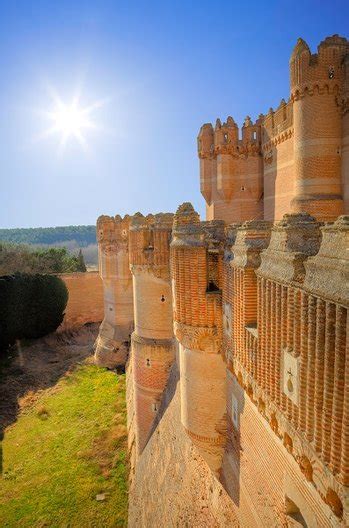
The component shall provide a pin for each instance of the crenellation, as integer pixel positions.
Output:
(326, 273)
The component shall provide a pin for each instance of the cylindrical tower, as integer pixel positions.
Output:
(152, 342)
(113, 340)
(316, 83)
(196, 268)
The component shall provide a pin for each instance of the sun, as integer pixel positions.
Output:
(70, 120)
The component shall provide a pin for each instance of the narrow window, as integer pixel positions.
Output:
(331, 72)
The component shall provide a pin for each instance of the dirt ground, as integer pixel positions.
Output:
(39, 365)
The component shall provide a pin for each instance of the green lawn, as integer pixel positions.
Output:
(63, 451)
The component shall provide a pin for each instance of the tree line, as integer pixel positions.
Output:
(19, 258)
(84, 235)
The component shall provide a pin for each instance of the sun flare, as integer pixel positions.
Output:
(70, 120)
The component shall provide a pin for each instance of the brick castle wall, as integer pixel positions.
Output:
(292, 159)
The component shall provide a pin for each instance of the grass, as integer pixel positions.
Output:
(63, 451)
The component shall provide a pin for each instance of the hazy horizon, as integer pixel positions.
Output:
(157, 72)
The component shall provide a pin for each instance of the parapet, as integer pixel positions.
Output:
(327, 273)
(111, 229)
(224, 138)
(150, 238)
(231, 231)
(293, 239)
(251, 238)
(188, 230)
(206, 141)
(277, 124)
(300, 47)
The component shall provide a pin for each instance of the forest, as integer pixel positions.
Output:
(83, 235)
(72, 238)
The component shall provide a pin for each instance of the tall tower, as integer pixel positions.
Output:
(231, 170)
(196, 268)
(317, 82)
(152, 343)
(113, 340)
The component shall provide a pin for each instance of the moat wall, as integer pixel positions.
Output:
(86, 299)
(183, 491)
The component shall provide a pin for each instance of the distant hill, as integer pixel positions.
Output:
(72, 238)
(83, 235)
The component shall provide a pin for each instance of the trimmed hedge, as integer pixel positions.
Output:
(31, 306)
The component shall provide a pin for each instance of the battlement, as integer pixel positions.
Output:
(327, 273)
(149, 239)
(277, 124)
(112, 228)
(224, 138)
(294, 158)
(252, 303)
(251, 238)
(322, 71)
(293, 239)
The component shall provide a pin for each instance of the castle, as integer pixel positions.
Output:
(248, 312)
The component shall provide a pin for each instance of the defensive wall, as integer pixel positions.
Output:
(85, 301)
(235, 328)
(260, 383)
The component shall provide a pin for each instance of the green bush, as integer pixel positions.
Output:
(31, 306)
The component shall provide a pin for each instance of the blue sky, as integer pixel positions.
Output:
(163, 69)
